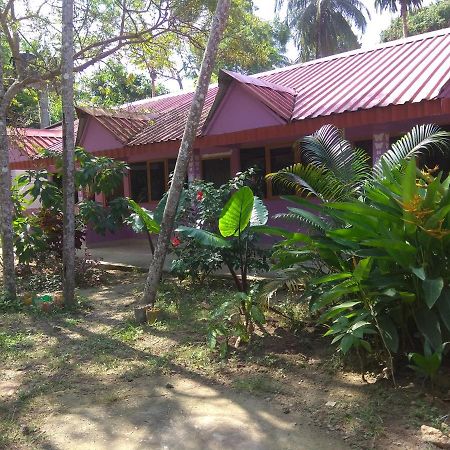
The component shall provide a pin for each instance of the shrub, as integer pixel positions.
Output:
(385, 264)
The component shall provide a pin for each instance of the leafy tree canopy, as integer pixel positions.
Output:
(324, 27)
(114, 85)
(429, 18)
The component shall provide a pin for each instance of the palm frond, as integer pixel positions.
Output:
(310, 179)
(420, 139)
(328, 149)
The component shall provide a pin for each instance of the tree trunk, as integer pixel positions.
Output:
(6, 211)
(67, 80)
(404, 14)
(44, 109)
(6, 205)
(185, 152)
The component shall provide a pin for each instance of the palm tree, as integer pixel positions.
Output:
(324, 27)
(405, 7)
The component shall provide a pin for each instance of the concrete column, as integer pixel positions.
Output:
(380, 145)
(194, 169)
(126, 185)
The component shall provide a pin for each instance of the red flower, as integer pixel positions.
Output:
(175, 241)
(199, 196)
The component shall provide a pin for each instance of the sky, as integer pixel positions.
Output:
(371, 37)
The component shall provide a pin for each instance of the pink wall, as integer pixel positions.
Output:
(240, 111)
(96, 137)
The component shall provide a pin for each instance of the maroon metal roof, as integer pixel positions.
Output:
(31, 142)
(122, 124)
(405, 71)
(170, 125)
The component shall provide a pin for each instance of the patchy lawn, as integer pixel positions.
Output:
(94, 379)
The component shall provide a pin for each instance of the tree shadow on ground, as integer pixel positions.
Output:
(83, 405)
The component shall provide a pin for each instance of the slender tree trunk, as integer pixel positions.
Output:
(184, 155)
(404, 15)
(44, 108)
(67, 80)
(6, 205)
(180, 81)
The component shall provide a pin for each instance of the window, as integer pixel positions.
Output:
(149, 180)
(158, 183)
(280, 158)
(216, 171)
(267, 160)
(255, 158)
(139, 182)
(367, 146)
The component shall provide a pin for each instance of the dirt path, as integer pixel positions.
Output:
(94, 382)
(191, 415)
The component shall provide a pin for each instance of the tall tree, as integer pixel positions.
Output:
(184, 156)
(324, 27)
(6, 205)
(405, 7)
(115, 84)
(67, 80)
(429, 18)
(31, 40)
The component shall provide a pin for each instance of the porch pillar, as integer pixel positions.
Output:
(380, 145)
(126, 185)
(194, 169)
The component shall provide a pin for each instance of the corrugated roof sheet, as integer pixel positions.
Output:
(122, 124)
(30, 142)
(405, 71)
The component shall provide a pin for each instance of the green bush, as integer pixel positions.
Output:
(385, 263)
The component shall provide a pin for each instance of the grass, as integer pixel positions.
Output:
(257, 384)
(90, 353)
(129, 333)
(15, 344)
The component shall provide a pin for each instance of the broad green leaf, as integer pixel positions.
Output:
(409, 181)
(303, 202)
(203, 237)
(331, 277)
(145, 216)
(257, 315)
(419, 272)
(432, 289)
(333, 294)
(347, 343)
(389, 332)
(362, 269)
(260, 214)
(335, 310)
(443, 306)
(428, 324)
(236, 213)
(363, 209)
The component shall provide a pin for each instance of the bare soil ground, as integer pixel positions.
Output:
(94, 380)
